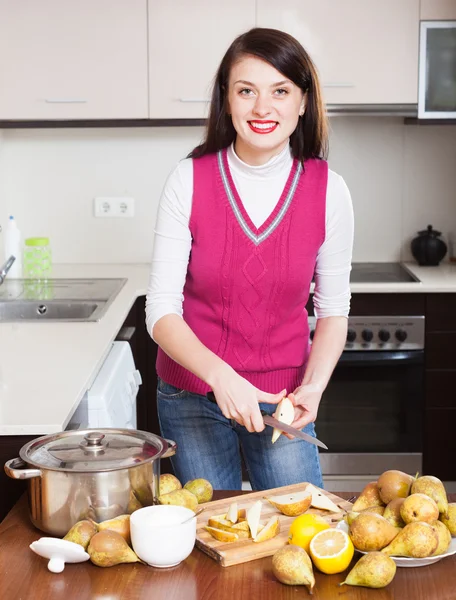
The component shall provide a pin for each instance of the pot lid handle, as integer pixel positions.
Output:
(93, 441)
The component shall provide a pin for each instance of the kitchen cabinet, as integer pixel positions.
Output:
(366, 52)
(436, 10)
(73, 60)
(186, 45)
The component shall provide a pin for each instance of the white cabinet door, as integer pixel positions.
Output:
(366, 51)
(438, 10)
(73, 59)
(187, 41)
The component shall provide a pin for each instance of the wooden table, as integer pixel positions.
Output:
(24, 576)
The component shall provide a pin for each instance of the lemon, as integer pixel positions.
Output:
(304, 528)
(331, 551)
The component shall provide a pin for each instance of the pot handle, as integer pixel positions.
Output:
(171, 451)
(14, 468)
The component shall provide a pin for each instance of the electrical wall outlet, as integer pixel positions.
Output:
(113, 206)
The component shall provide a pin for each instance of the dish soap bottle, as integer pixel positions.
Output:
(13, 246)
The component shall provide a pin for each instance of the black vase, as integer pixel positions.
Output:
(427, 248)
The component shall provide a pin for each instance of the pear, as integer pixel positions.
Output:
(374, 570)
(221, 535)
(201, 488)
(434, 488)
(285, 414)
(271, 529)
(82, 532)
(233, 513)
(415, 540)
(368, 497)
(169, 483)
(351, 516)
(180, 498)
(292, 565)
(444, 536)
(320, 500)
(120, 524)
(370, 531)
(394, 484)
(393, 512)
(108, 548)
(133, 503)
(291, 505)
(450, 518)
(419, 507)
(253, 517)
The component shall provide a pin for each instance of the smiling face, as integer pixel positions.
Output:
(264, 107)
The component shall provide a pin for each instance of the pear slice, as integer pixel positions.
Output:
(320, 500)
(270, 530)
(285, 414)
(222, 536)
(232, 514)
(253, 517)
(291, 505)
(242, 529)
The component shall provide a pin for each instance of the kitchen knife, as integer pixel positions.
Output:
(273, 422)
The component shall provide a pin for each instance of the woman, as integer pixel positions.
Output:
(243, 224)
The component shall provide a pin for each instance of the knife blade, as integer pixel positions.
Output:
(273, 422)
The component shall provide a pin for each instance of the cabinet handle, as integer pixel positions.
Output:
(193, 100)
(65, 101)
(336, 84)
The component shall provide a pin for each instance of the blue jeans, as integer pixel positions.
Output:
(210, 446)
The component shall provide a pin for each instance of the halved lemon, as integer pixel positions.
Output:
(331, 551)
(304, 528)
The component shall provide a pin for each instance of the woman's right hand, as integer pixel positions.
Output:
(238, 399)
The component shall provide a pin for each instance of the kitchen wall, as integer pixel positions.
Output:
(401, 178)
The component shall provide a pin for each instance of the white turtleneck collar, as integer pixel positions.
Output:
(276, 166)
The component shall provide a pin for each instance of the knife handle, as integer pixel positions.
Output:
(211, 397)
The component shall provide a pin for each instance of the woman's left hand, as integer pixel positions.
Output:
(306, 400)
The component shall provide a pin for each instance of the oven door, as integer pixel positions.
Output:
(370, 415)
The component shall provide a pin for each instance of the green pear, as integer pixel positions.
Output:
(82, 532)
(434, 488)
(201, 488)
(393, 512)
(180, 498)
(370, 531)
(450, 519)
(368, 497)
(374, 570)
(444, 536)
(394, 484)
(169, 483)
(292, 565)
(108, 548)
(419, 507)
(415, 540)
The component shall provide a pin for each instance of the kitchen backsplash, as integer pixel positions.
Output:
(401, 178)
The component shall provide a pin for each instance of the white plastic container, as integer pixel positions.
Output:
(13, 246)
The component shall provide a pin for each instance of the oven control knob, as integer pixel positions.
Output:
(312, 333)
(401, 335)
(384, 335)
(367, 335)
(351, 335)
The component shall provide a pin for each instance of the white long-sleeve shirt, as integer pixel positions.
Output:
(260, 188)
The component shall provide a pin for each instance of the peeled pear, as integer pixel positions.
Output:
(434, 488)
(394, 484)
(180, 498)
(271, 529)
(368, 497)
(285, 414)
(253, 517)
(320, 500)
(169, 483)
(82, 532)
(374, 570)
(292, 565)
(233, 514)
(450, 518)
(393, 512)
(419, 507)
(201, 488)
(109, 548)
(291, 505)
(120, 524)
(444, 536)
(415, 540)
(370, 531)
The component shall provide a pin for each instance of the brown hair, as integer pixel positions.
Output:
(284, 53)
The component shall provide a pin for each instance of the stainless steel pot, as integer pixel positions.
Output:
(97, 474)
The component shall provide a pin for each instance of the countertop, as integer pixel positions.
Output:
(45, 368)
(24, 576)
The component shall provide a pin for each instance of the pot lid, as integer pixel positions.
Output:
(94, 450)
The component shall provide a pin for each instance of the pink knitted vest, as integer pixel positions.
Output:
(246, 288)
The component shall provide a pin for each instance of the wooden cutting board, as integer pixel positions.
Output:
(234, 553)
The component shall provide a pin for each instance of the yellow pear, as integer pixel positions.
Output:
(108, 548)
(270, 530)
(444, 536)
(201, 488)
(394, 484)
(221, 535)
(370, 531)
(285, 414)
(292, 565)
(351, 516)
(450, 519)
(415, 540)
(393, 512)
(120, 524)
(180, 498)
(82, 532)
(169, 483)
(374, 570)
(243, 532)
(419, 507)
(368, 497)
(133, 503)
(434, 488)
(291, 505)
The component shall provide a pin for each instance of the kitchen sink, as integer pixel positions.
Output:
(57, 299)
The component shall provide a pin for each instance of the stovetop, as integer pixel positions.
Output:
(370, 272)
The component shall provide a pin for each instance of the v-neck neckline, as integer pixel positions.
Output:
(257, 234)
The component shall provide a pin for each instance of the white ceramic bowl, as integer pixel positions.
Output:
(158, 536)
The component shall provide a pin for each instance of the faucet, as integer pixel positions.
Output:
(5, 268)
